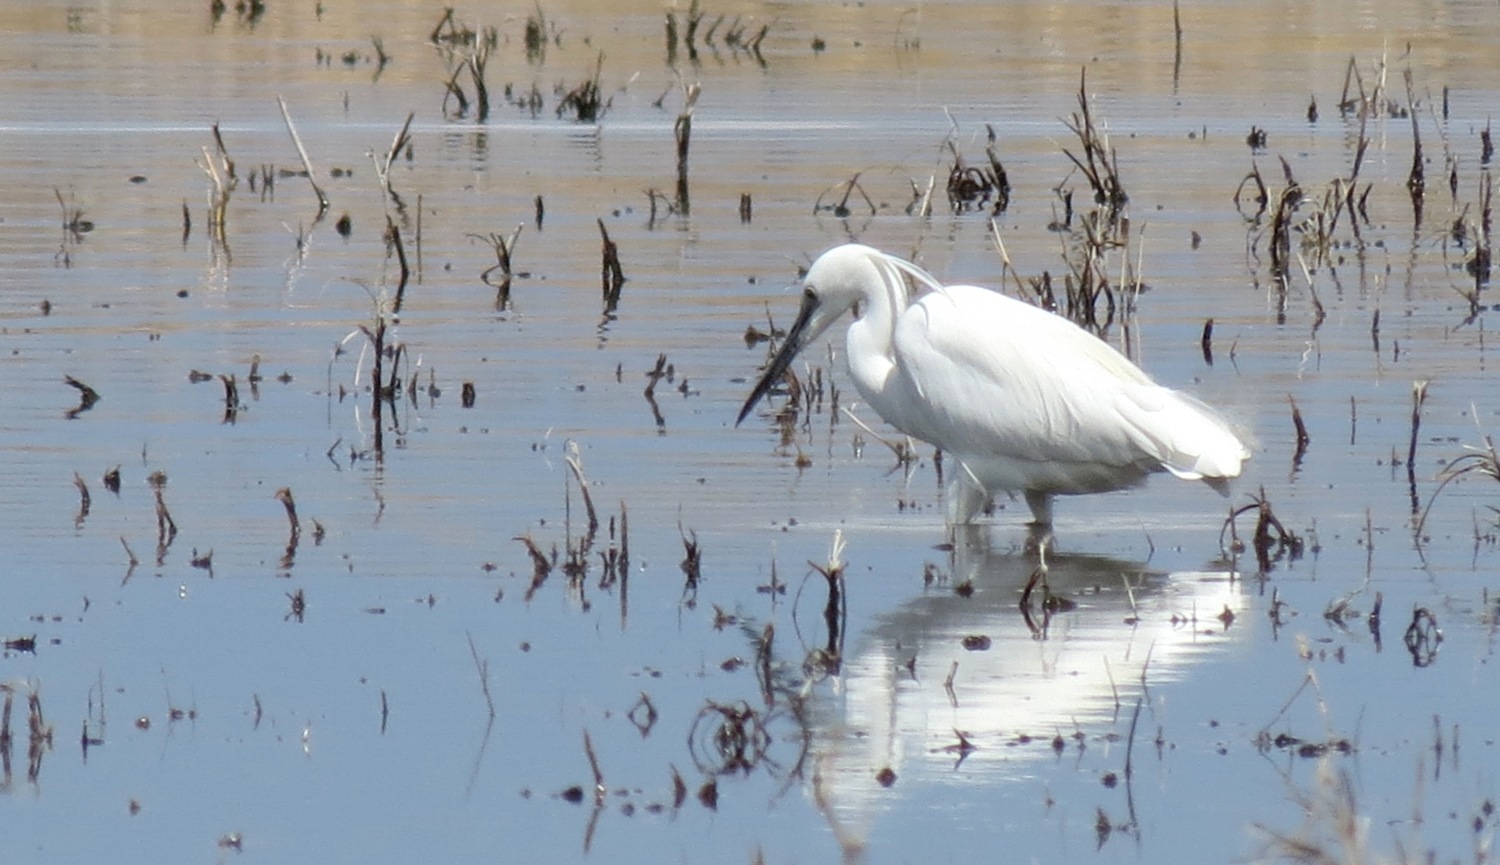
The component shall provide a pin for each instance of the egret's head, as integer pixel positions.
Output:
(836, 282)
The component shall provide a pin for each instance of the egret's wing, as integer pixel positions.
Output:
(998, 377)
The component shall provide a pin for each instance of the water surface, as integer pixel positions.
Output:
(1193, 705)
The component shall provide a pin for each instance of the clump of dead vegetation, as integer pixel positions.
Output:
(739, 36)
(465, 50)
(976, 187)
(1315, 227)
(1270, 539)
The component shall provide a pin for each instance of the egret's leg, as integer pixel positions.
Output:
(1041, 508)
(1039, 531)
(1039, 540)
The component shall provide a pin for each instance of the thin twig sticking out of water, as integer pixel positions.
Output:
(482, 665)
(402, 142)
(1005, 265)
(306, 163)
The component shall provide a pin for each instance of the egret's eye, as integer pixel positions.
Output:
(809, 292)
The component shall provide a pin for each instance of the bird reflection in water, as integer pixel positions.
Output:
(964, 683)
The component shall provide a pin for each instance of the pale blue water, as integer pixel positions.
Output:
(282, 739)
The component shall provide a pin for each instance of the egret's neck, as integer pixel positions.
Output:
(869, 352)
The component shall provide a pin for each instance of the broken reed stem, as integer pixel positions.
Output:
(1418, 396)
(1177, 42)
(1130, 741)
(302, 152)
(393, 237)
(220, 173)
(399, 143)
(1303, 439)
(231, 397)
(683, 132)
(624, 544)
(284, 495)
(612, 275)
(1005, 265)
(166, 528)
(575, 463)
(588, 750)
(1416, 181)
(1281, 228)
(84, 499)
(476, 63)
(377, 345)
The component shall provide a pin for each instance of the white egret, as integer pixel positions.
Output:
(1025, 400)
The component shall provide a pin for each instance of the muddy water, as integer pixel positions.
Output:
(194, 714)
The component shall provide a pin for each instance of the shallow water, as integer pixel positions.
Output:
(1141, 725)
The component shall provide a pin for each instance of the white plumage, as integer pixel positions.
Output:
(1027, 401)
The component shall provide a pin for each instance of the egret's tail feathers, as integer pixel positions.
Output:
(1194, 442)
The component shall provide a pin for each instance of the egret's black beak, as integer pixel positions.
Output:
(795, 340)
